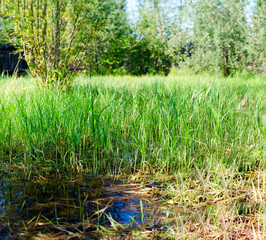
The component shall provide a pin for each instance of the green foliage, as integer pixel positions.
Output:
(257, 38)
(61, 38)
(5, 25)
(106, 36)
(219, 36)
(152, 38)
(144, 58)
(46, 31)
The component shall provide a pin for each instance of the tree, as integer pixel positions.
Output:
(257, 38)
(180, 42)
(219, 35)
(152, 33)
(46, 31)
(5, 25)
(106, 36)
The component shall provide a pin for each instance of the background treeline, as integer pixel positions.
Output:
(98, 36)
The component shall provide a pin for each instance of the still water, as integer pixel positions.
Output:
(40, 205)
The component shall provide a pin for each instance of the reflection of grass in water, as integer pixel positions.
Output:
(207, 131)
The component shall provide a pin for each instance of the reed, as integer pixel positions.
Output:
(114, 124)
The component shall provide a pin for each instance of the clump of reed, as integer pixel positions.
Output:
(111, 124)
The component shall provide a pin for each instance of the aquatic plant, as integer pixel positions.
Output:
(107, 124)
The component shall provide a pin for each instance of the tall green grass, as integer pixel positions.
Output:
(110, 124)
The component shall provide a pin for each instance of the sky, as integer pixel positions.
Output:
(132, 8)
(132, 5)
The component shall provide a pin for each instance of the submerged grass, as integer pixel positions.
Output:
(106, 124)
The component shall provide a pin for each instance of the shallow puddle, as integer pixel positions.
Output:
(39, 205)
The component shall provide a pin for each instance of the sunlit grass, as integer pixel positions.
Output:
(110, 124)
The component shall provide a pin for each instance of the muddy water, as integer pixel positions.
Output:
(40, 205)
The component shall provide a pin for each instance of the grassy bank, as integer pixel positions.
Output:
(109, 124)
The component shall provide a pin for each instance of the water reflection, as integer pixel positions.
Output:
(65, 201)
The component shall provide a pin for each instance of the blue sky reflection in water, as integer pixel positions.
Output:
(24, 200)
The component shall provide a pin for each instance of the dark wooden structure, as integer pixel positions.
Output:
(9, 60)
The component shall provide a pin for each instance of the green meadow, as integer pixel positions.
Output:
(204, 130)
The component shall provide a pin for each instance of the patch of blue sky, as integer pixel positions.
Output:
(132, 9)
